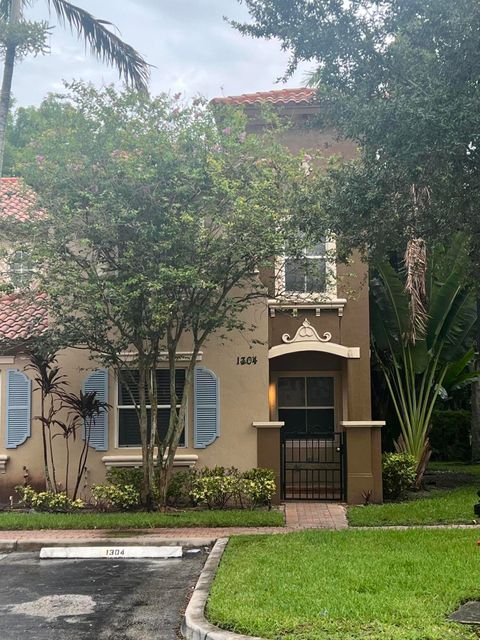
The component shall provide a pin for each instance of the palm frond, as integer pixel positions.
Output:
(415, 286)
(105, 44)
(4, 9)
(6, 6)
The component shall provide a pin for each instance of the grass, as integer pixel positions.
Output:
(442, 506)
(438, 506)
(17, 521)
(348, 585)
(455, 467)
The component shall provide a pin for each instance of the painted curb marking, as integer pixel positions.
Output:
(112, 553)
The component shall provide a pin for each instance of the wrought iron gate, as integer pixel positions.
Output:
(313, 468)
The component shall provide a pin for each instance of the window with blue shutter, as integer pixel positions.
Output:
(98, 381)
(19, 400)
(207, 408)
(128, 425)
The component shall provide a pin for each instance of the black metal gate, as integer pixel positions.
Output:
(313, 468)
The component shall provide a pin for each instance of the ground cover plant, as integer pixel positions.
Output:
(10, 520)
(450, 502)
(314, 585)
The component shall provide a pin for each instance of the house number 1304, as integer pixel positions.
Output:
(247, 360)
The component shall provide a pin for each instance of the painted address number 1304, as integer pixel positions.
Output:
(247, 360)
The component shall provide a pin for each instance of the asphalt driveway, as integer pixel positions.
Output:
(94, 599)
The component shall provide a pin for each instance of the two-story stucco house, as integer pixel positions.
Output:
(296, 399)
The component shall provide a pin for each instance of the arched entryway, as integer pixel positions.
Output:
(308, 395)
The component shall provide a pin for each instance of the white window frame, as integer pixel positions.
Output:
(118, 407)
(19, 272)
(330, 292)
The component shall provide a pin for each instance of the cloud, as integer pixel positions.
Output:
(191, 48)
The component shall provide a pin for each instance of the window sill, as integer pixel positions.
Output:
(296, 303)
(3, 463)
(181, 460)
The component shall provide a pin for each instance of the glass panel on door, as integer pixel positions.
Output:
(306, 404)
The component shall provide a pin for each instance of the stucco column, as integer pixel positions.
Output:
(364, 460)
(268, 451)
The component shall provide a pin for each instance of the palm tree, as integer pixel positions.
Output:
(418, 364)
(105, 45)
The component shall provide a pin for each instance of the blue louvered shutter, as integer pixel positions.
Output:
(19, 401)
(98, 381)
(207, 408)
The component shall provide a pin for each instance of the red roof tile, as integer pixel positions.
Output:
(279, 96)
(16, 200)
(21, 318)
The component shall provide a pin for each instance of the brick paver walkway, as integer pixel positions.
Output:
(299, 516)
(315, 515)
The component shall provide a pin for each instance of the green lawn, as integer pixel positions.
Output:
(455, 467)
(347, 585)
(442, 506)
(15, 521)
(438, 506)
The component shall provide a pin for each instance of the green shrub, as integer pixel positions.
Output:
(121, 476)
(112, 496)
(216, 487)
(450, 435)
(258, 486)
(180, 488)
(219, 487)
(399, 473)
(47, 500)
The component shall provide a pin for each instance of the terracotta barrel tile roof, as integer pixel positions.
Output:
(16, 200)
(279, 96)
(21, 318)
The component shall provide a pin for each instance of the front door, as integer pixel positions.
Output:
(312, 449)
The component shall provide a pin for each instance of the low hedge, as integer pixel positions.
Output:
(214, 488)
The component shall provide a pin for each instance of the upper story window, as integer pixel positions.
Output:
(309, 276)
(20, 269)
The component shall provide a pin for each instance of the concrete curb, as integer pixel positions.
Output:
(195, 626)
(37, 542)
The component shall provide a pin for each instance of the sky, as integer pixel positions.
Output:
(193, 50)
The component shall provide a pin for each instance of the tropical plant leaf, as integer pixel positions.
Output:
(419, 355)
(105, 44)
(449, 314)
(465, 379)
(457, 368)
(390, 297)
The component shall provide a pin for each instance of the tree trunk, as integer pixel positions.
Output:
(475, 397)
(6, 91)
(147, 450)
(176, 424)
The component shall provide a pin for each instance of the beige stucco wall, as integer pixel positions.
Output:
(243, 400)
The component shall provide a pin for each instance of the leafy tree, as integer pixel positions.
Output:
(418, 364)
(20, 37)
(157, 222)
(402, 80)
